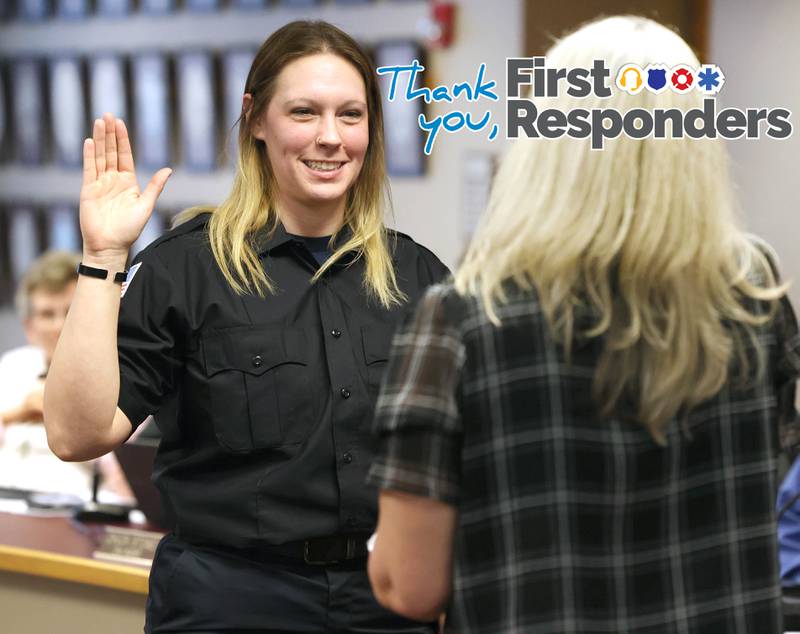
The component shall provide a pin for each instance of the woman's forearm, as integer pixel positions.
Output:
(83, 380)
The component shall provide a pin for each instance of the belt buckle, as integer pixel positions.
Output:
(350, 550)
(307, 556)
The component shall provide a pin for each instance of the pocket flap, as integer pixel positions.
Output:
(377, 341)
(252, 350)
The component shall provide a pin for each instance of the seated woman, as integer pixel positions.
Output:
(580, 433)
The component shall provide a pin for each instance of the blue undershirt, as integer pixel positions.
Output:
(317, 246)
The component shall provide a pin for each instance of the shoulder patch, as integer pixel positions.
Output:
(131, 272)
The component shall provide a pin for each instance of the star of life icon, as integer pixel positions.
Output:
(710, 79)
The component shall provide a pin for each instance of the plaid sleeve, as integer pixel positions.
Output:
(787, 361)
(417, 422)
(786, 374)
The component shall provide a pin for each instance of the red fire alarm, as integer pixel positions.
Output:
(443, 18)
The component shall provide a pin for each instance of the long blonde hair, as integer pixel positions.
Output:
(641, 234)
(250, 206)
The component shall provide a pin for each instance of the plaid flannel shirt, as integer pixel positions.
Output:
(572, 524)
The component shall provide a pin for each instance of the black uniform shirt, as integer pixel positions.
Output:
(264, 405)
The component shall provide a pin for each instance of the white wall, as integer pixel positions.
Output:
(757, 46)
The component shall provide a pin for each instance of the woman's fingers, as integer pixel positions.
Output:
(111, 141)
(124, 152)
(99, 136)
(89, 167)
(155, 186)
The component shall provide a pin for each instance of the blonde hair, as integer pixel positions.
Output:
(641, 234)
(250, 206)
(51, 272)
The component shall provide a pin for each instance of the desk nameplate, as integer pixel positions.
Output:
(127, 546)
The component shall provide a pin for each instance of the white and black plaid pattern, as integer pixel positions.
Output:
(572, 524)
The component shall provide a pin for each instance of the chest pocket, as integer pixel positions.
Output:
(376, 340)
(257, 387)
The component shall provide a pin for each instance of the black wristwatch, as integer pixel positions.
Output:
(101, 274)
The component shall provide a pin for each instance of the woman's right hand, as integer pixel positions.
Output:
(113, 212)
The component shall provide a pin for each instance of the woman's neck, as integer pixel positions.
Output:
(316, 222)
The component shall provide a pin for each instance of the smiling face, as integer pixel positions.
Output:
(316, 133)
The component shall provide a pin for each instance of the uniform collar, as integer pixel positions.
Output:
(265, 243)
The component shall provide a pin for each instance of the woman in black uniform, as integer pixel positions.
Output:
(256, 332)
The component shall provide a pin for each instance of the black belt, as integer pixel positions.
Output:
(321, 551)
(317, 551)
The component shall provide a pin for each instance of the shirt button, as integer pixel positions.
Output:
(347, 457)
(257, 361)
(336, 333)
(344, 392)
(351, 521)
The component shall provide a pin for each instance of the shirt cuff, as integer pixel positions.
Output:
(423, 462)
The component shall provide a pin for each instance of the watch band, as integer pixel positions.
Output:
(101, 274)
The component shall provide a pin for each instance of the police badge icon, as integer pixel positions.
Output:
(656, 77)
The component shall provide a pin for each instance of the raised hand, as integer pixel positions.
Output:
(113, 211)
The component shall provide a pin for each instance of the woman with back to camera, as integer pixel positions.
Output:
(580, 433)
(256, 332)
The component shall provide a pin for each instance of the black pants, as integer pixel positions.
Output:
(208, 589)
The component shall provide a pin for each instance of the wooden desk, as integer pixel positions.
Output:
(50, 582)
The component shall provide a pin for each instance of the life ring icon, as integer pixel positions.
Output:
(682, 79)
